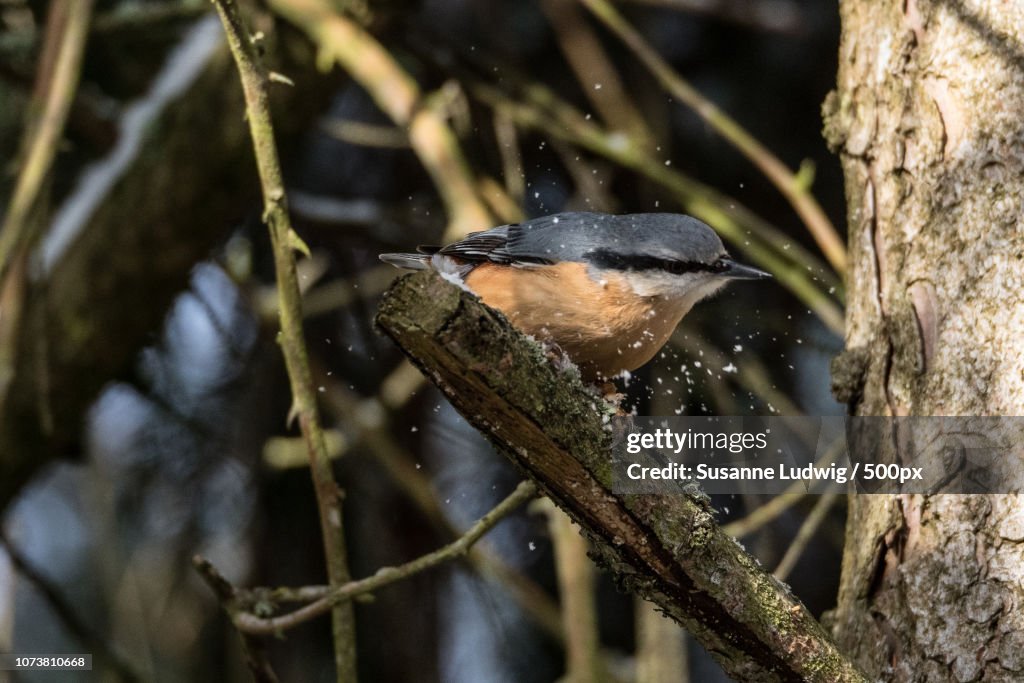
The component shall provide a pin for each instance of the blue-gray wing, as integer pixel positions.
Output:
(579, 236)
(540, 241)
(477, 247)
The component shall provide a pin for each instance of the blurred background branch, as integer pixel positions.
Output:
(56, 82)
(795, 191)
(339, 38)
(106, 659)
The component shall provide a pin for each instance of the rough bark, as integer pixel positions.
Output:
(927, 121)
(668, 549)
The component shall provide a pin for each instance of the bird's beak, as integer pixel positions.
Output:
(738, 271)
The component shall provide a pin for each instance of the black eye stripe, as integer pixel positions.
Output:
(603, 258)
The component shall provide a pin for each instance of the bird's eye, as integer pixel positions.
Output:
(720, 265)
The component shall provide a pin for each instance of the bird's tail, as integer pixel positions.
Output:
(410, 261)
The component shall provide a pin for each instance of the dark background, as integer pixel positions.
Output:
(173, 457)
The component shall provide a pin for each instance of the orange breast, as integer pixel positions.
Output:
(602, 324)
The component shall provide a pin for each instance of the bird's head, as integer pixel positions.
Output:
(668, 255)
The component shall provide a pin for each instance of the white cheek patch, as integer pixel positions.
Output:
(643, 284)
(655, 283)
(688, 288)
(713, 285)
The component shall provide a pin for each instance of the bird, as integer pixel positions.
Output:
(608, 290)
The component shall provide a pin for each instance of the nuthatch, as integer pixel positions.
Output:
(608, 290)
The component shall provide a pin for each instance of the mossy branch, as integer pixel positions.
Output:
(668, 549)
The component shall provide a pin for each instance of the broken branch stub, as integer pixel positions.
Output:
(666, 548)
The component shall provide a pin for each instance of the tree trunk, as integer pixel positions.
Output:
(928, 122)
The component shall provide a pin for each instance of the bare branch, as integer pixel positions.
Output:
(284, 241)
(255, 657)
(576, 587)
(793, 494)
(254, 625)
(661, 655)
(595, 72)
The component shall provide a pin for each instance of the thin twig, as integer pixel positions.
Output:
(595, 72)
(498, 200)
(284, 240)
(365, 428)
(804, 535)
(788, 184)
(378, 436)
(507, 140)
(330, 296)
(793, 494)
(55, 86)
(583, 663)
(590, 177)
(254, 625)
(255, 655)
(365, 134)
